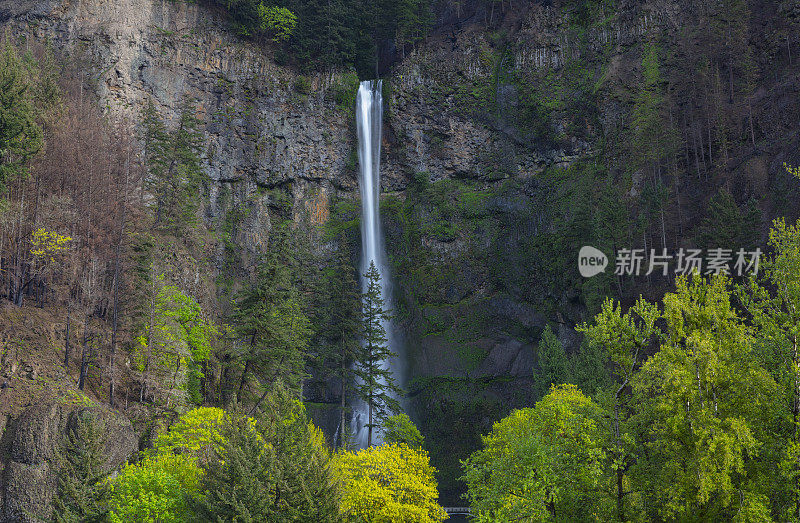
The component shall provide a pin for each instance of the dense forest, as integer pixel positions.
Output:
(186, 330)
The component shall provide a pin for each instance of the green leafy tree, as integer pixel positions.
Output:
(400, 429)
(624, 339)
(375, 383)
(175, 171)
(703, 408)
(196, 433)
(273, 468)
(392, 482)
(82, 495)
(155, 489)
(175, 337)
(542, 464)
(773, 300)
(279, 21)
(553, 363)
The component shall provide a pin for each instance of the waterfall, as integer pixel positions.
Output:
(369, 113)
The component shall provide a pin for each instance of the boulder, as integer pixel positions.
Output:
(29, 481)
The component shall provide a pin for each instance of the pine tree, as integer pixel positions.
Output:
(270, 319)
(20, 134)
(82, 497)
(341, 325)
(376, 383)
(727, 226)
(238, 480)
(553, 363)
(175, 172)
(274, 468)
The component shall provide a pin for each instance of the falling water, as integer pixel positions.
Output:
(369, 112)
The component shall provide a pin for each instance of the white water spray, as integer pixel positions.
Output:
(369, 114)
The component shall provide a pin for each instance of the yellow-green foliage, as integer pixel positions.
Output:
(542, 462)
(74, 397)
(176, 339)
(155, 490)
(278, 20)
(196, 433)
(45, 245)
(389, 484)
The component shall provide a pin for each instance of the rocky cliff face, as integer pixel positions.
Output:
(261, 131)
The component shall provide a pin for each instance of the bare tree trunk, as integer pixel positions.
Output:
(84, 355)
(342, 420)
(17, 276)
(66, 336)
(242, 380)
(115, 313)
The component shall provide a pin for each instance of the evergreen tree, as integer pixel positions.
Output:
(588, 369)
(82, 496)
(728, 35)
(20, 135)
(341, 326)
(727, 226)
(376, 384)
(270, 321)
(553, 363)
(175, 171)
(274, 468)
(652, 142)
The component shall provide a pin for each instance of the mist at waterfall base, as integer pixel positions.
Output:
(369, 116)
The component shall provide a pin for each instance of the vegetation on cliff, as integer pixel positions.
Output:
(699, 420)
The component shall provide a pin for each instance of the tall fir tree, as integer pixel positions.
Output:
(21, 136)
(271, 323)
(175, 171)
(553, 363)
(375, 384)
(341, 327)
(82, 496)
(271, 468)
